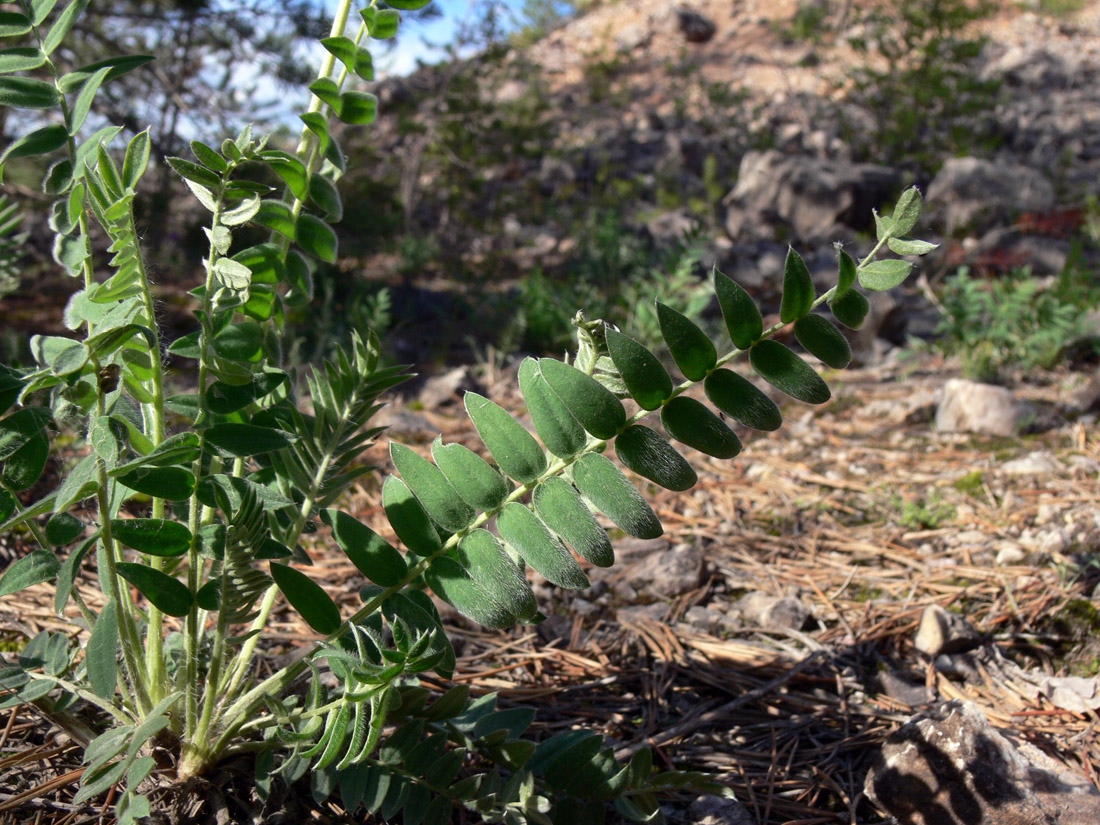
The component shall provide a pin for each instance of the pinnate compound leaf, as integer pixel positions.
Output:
(485, 560)
(560, 507)
(316, 238)
(559, 430)
(37, 567)
(798, 289)
(408, 518)
(785, 371)
(167, 594)
(589, 401)
(371, 554)
(742, 401)
(650, 456)
(101, 653)
(432, 488)
(155, 536)
(246, 440)
(527, 535)
(610, 492)
(514, 449)
(823, 340)
(644, 375)
(907, 211)
(742, 316)
(690, 422)
(880, 276)
(691, 349)
(170, 483)
(453, 584)
(850, 309)
(470, 475)
(307, 597)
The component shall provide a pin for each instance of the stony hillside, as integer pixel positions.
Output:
(742, 126)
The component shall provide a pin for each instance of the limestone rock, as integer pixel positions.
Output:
(766, 610)
(975, 194)
(968, 406)
(1038, 462)
(806, 195)
(670, 572)
(949, 766)
(944, 632)
(713, 810)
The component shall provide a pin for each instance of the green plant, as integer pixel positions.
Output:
(215, 511)
(1011, 321)
(922, 84)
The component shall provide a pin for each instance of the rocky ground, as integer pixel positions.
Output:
(860, 616)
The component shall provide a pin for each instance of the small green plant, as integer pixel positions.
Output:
(920, 513)
(191, 508)
(1012, 321)
(923, 85)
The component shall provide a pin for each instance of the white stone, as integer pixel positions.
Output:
(1038, 462)
(968, 406)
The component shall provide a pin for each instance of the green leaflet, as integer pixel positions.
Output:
(592, 404)
(101, 652)
(24, 467)
(846, 275)
(247, 440)
(907, 211)
(612, 494)
(472, 477)
(27, 93)
(166, 593)
(821, 339)
(243, 342)
(171, 483)
(155, 536)
(739, 310)
(691, 423)
(560, 507)
(316, 237)
(644, 375)
(650, 456)
(785, 371)
(850, 309)
(223, 399)
(691, 349)
(514, 449)
(371, 554)
(559, 430)
(324, 194)
(431, 486)
(740, 399)
(487, 563)
(408, 519)
(37, 567)
(453, 584)
(880, 276)
(63, 528)
(307, 597)
(527, 535)
(798, 289)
